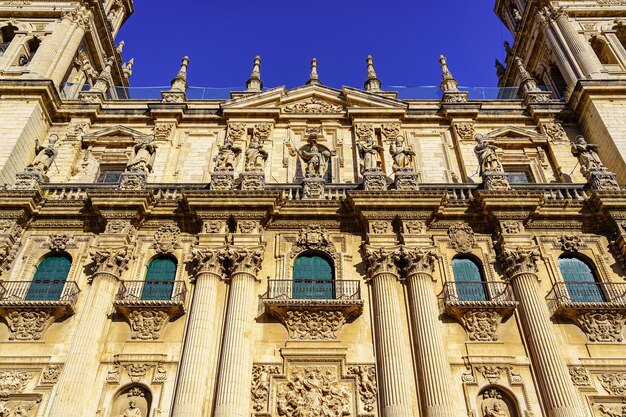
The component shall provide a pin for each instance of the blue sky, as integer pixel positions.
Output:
(222, 37)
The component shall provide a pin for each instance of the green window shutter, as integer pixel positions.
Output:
(470, 285)
(49, 280)
(313, 277)
(159, 279)
(579, 281)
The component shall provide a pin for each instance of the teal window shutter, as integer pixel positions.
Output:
(159, 282)
(313, 277)
(49, 280)
(580, 281)
(470, 285)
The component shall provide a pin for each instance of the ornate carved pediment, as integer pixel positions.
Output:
(511, 135)
(118, 135)
(313, 105)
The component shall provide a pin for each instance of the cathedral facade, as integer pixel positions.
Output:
(313, 251)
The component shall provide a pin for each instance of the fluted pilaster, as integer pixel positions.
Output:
(198, 362)
(393, 369)
(78, 377)
(433, 368)
(233, 395)
(560, 395)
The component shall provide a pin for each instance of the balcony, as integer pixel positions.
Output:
(29, 307)
(598, 308)
(313, 309)
(150, 305)
(480, 306)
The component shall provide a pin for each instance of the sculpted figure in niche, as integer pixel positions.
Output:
(132, 410)
(255, 155)
(486, 154)
(143, 155)
(493, 404)
(587, 155)
(226, 155)
(44, 156)
(316, 160)
(401, 154)
(370, 155)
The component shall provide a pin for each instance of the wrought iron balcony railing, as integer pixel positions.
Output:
(308, 289)
(19, 293)
(587, 295)
(476, 292)
(151, 292)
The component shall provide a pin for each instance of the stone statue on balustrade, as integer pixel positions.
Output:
(369, 152)
(143, 156)
(401, 154)
(227, 155)
(44, 156)
(256, 156)
(316, 160)
(487, 158)
(592, 167)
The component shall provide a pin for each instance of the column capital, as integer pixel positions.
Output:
(418, 261)
(208, 261)
(520, 260)
(382, 260)
(81, 16)
(244, 260)
(110, 261)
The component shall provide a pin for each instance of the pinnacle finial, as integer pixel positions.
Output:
(255, 84)
(448, 82)
(372, 83)
(528, 83)
(103, 82)
(314, 78)
(179, 83)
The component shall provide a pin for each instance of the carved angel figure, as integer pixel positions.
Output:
(255, 155)
(226, 155)
(143, 155)
(132, 410)
(370, 155)
(316, 160)
(401, 154)
(487, 157)
(587, 155)
(44, 156)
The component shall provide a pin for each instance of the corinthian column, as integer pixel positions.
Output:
(198, 360)
(433, 368)
(391, 341)
(235, 371)
(57, 51)
(560, 395)
(81, 365)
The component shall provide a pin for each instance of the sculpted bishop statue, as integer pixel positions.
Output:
(587, 156)
(143, 155)
(44, 156)
(401, 154)
(370, 155)
(487, 158)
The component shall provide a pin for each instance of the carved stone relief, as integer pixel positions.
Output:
(261, 383)
(20, 405)
(313, 325)
(366, 379)
(391, 130)
(520, 261)
(166, 239)
(59, 242)
(313, 105)
(493, 404)
(461, 237)
(614, 382)
(481, 325)
(50, 375)
(147, 324)
(510, 227)
(415, 227)
(555, 132)
(314, 391)
(580, 377)
(492, 373)
(570, 243)
(13, 382)
(601, 326)
(379, 227)
(28, 324)
(465, 130)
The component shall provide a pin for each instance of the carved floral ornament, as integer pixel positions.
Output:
(147, 324)
(227, 260)
(410, 261)
(59, 242)
(313, 105)
(313, 237)
(391, 130)
(614, 382)
(110, 260)
(570, 243)
(481, 324)
(415, 227)
(236, 131)
(465, 130)
(520, 261)
(13, 382)
(28, 324)
(313, 325)
(601, 326)
(364, 130)
(580, 377)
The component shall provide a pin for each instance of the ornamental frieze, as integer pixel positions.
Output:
(614, 382)
(313, 105)
(313, 325)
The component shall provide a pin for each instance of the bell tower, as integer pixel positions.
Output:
(577, 49)
(50, 51)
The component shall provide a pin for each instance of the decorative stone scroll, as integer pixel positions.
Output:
(147, 324)
(28, 324)
(313, 325)
(481, 325)
(313, 105)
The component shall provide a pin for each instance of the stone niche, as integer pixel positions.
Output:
(131, 401)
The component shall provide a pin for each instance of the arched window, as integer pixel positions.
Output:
(313, 277)
(468, 277)
(49, 280)
(603, 51)
(580, 280)
(7, 34)
(159, 281)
